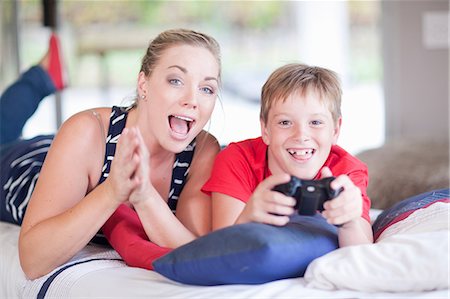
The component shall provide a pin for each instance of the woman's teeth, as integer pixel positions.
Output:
(180, 124)
(183, 118)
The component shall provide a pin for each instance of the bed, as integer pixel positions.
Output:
(410, 259)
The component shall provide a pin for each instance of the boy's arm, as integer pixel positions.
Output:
(346, 210)
(264, 205)
(355, 232)
(225, 210)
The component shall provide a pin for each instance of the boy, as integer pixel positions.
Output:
(300, 123)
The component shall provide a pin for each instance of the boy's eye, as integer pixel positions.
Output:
(284, 122)
(316, 122)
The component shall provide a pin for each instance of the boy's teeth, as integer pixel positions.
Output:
(300, 152)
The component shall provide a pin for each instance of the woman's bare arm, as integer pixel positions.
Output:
(61, 219)
(193, 216)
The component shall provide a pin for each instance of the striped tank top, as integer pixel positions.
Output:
(21, 164)
(180, 168)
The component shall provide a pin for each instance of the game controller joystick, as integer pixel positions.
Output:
(309, 194)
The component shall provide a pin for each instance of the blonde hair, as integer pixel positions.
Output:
(173, 37)
(169, 38)
(301, 78)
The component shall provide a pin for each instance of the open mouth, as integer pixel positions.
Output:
(301, 153)
(180, 124)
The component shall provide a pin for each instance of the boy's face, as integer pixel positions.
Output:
(299, 132)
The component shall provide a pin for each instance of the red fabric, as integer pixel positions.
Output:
(125, 233)
(55, 66)
(241, 166)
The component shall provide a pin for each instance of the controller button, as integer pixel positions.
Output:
(311, 188)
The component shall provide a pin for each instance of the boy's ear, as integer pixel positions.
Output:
(264, 132)
(337, 130)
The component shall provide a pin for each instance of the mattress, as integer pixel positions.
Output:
(98, 272)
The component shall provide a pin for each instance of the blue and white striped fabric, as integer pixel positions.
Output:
(21, 164)
(20, 168)
(117, 121)
(180, 168)
(180, 171)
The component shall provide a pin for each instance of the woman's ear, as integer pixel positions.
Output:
(142, 84)
(337, 130)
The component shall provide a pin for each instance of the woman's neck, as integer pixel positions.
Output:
(158, 155)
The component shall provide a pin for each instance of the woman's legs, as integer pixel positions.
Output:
(19, 170)
(21, 100)
(21, 160)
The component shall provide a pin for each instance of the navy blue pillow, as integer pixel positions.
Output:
(250, 253)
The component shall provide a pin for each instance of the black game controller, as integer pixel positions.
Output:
(309, 194)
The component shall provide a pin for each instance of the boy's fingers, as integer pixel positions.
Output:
(281, 210)
(283, 200)
(326, 172)
(276, 220)
(276, 179)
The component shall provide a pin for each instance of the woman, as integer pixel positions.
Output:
(160, 136)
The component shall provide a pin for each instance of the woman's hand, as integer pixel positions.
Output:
(268, 206)
(122, 179)
(144, 188)
(347, 206)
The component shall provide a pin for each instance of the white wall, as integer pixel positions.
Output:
(416, 69)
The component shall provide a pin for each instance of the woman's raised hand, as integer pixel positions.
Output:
(122, 177)
(144, 189)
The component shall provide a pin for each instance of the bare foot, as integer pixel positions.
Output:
(45, 61)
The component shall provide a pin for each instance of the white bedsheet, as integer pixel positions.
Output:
(112, 279)
(412, 254)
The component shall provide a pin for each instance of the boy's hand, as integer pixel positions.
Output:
(347, 206)
(268, 206)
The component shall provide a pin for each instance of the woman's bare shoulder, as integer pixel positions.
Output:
(207, 143)
(206, 149)
(87, 123)
(82, 136)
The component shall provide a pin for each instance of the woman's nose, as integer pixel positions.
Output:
(189, 99)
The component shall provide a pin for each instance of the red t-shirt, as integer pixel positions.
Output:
(241, 166)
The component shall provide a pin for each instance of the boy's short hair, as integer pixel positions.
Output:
(301, 78)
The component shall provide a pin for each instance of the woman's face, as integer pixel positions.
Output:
(180, 95)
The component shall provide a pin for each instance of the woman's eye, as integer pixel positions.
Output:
(207, 90)
(175, 81)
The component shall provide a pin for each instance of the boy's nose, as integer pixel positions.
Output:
(301, 133)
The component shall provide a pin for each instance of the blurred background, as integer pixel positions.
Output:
(392, 57)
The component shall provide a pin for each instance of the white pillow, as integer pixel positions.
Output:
(411, 255)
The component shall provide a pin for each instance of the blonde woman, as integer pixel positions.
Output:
(153, 156)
